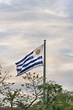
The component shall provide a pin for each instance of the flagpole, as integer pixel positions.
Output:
(44, 70)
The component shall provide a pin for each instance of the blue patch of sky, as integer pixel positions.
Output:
(4, 48)
(70, 8)
(64, 54)
(4, 35)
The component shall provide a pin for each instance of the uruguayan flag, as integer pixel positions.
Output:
(30, 61)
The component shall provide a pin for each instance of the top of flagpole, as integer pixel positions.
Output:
(44, 40)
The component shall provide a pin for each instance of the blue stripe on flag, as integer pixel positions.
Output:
(40, 57)
(28, 59)
(30, 67)
(31, 61)
(24, 58)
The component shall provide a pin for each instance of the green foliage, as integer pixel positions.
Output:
(31, 86)
(32, 99)
(69, 108)
(56, 98)
(10, 96)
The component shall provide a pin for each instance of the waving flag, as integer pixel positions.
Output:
(30, 61)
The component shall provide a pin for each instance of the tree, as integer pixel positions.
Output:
(10, 96)
(3, 75)
(56, 97)
(52, 89)
(32, 93)
(32, 96)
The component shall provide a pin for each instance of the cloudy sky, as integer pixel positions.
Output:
(24, 24)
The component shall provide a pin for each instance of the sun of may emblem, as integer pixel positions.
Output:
(38, 51)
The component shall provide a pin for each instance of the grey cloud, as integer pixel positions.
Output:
(59, 7)
(26, 16)
(25, 24)
(23, 4)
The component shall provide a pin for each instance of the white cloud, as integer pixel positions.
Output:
(67, 67)
(5, 1)
(24, 29)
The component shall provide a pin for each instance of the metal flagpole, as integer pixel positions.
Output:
(44, 70)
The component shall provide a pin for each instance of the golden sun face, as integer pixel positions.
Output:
(38, 52)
